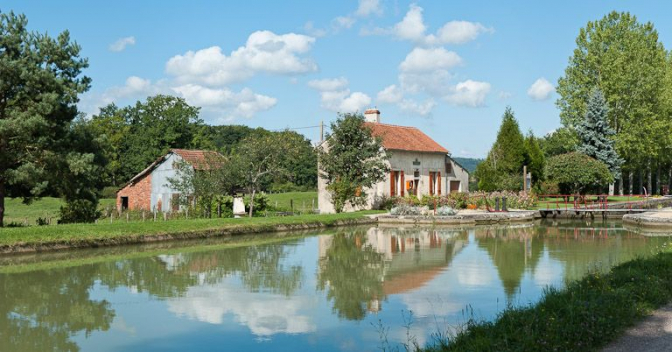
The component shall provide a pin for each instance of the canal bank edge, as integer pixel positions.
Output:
(88, 242)
(475, 218)
(657, 220)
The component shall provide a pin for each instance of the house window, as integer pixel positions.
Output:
(434, 183)
(449, 167)
(397, 183)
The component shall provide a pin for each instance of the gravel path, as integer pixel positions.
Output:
(654, 334)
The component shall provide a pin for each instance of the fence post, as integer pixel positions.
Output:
(143, 216)
(127, 216)
(165, 218)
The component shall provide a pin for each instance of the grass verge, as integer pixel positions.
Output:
(584, 316)
(106, 234)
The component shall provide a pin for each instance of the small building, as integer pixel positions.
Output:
(150, 190)
(419, 166)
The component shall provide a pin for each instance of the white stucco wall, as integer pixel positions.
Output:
(405, 161)
(160, 186)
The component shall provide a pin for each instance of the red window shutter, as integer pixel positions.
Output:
(392, 186)
(438, 182)
(403, 183)
(431, 183)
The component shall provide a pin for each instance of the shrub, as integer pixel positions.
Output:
(79, 210)
(445, 211)
(405, 209)
(577, 173)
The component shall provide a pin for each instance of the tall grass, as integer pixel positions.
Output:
(584, 316)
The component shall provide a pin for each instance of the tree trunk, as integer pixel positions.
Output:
(649, 189)
(659, 188)
(631, 176)
(621, 184)
(252, 202)
(2, 202)
(669, 179)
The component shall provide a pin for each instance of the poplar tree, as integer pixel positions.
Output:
(595, 134)
(534, 158)
(40, 78)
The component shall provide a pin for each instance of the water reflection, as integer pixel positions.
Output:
(318, 287)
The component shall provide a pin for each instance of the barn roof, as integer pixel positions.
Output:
(405, 138)
(199, 159)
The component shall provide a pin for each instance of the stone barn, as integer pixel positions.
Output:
(419, 166)
(150, 190)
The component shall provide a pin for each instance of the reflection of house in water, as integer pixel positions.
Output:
(408, 258)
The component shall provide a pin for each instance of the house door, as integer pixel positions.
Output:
(454, 186)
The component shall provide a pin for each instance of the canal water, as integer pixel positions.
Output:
(349, 289)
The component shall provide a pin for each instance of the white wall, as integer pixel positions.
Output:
(405, 161)
(160, 186)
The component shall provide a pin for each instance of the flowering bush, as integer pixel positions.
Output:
(405, 209)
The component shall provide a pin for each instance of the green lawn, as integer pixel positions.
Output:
(16, 211)
(552, 203)
(303, 201)
(78, 233)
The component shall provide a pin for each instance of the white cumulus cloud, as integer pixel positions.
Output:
(469, 93)
(335, 96)
(391, 94)
(413, 28)
(328, 84)
(541, 89)
(369, 7)
(425, 60)
(122, 43)
(264, 51)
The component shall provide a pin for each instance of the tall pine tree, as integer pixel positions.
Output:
(502, 169)
(534, 158)
(595, 134)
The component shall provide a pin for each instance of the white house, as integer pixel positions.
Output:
(419, 166)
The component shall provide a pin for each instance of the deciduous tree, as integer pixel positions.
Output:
(577, 173)
(351, 161)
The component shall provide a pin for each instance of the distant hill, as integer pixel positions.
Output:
(468, 163)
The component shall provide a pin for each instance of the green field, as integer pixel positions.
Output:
(81, 233)
(47, 208)
(303, 201)
(552, 203)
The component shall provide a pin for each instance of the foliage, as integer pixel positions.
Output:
(351, 161)
(405, 209)
(625, 60)
(534, 159)
(595, 134)
(561, 141)
(139, 134)
(262, 157)
(505, 159)
(79, 210)
(41, 78)
(445, 211)
(577, 173)
(584, 316)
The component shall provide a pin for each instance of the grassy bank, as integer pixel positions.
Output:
(584, 316)
(103, 234)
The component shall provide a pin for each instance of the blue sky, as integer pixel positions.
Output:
(447, 67)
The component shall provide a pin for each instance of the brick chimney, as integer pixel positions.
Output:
(372, 115)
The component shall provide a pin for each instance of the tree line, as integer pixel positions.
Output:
(49, 148)
(615, 102)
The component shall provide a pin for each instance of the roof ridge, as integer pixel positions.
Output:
(389, 124)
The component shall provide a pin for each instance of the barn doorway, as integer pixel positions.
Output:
(124, 203)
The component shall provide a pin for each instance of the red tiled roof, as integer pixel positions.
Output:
(405, 138)
(199, 159)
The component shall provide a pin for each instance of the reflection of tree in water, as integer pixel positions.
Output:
(352, 272)
(583, 247)
(513, 251)
(40, 311)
